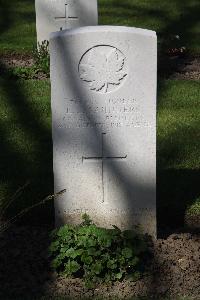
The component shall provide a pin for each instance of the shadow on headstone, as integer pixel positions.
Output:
(132, 189)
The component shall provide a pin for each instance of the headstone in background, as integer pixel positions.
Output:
(104, 125)
(55, 15)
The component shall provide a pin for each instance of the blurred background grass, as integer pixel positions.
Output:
(167, 18)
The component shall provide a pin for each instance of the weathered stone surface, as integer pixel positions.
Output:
(55, 15)
(104, 125)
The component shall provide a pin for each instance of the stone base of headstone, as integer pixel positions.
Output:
(122, 220)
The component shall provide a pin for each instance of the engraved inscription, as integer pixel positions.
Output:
(103, 158)
(103, 68)
(68, 15)
(137, 210)
(113, 113)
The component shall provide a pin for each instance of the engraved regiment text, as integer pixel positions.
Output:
(115, 113)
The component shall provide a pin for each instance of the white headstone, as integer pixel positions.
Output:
(55, 15)
(104, 125)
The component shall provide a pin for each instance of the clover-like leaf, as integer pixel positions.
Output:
(119, 275)
(97, 267)
(54, 247)
(87, 259)
(71, 267)
(103, 69)
(127, 252)
(73, 253)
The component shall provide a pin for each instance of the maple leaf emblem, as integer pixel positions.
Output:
(103, 68)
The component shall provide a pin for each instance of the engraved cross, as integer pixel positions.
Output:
(68, 15)
(103, 159)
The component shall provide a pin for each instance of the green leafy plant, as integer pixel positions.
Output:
(96, 254)
(39, 69)
(20, 73)
(41, 58)
(23, 72)
(194, 209)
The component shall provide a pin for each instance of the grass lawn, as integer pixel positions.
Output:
(26, 146)
(17, 26)
(17, 20)
(178, 157)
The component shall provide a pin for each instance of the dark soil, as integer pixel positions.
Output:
(192, 221)
(10, 61)
(16, 60)
(173, 270)
(178, 67)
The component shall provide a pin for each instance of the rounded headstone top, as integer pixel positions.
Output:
(104, 28)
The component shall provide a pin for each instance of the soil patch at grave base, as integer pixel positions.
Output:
(192, 221)
(187, 67)
(16, 60)
(24, 269)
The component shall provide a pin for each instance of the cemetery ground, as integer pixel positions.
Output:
(26, 156)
